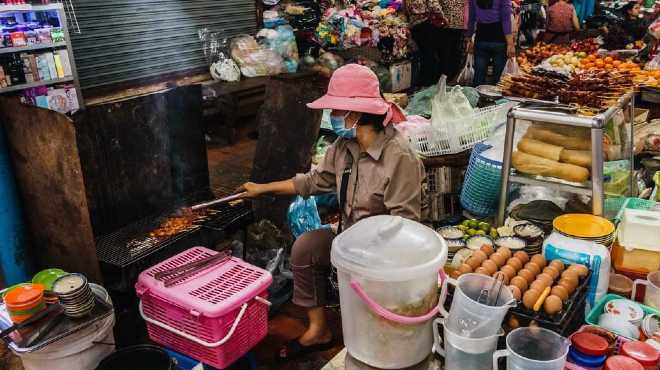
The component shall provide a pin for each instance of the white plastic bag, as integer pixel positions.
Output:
(466, 76)
(511, 67)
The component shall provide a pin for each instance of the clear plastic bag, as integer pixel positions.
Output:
(216, 50)
(281, 40)
(511, 67)
(254, 59)
(303, 216)
(466, 76)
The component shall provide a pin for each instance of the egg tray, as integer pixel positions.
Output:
(569, 319)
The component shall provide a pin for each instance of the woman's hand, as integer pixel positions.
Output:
(510, 50)
(251, 190)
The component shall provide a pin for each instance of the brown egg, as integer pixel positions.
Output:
(522, 256)
(506, 252)
(513, 322)
(528, 275)
(479, 256)
(465, 269)
(571, 274)
(530, 297)
(498, 259)
(559, 265)
(481, 271)
(582, 270)
(570, 285)
(560, 292)
(455, 274)
(539, 260)
(515, 263)
(504, 277)
(551, 271)
(552, 305)
(520, 282)
(488, 249)
(509, 271)
(538, 285)
(533, 267)
(490, 266)
(473, 262)
(547, 279)
(515, 291)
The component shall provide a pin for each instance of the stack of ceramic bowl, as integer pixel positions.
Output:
(532, 235)
(586, 227)
(454, 238)
(75, 295)
(47, 278)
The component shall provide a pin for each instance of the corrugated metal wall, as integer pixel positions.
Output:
(126, 40)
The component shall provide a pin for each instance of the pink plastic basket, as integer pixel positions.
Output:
(215, 316)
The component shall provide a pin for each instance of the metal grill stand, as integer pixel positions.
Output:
(595, 123)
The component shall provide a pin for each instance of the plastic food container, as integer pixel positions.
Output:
(585, 361)
(639, 229)
(620, 285)
(590, 344)
(652, 293)
(622, 363)
(388, 270)
(643, 353)
(533, 349)
(635, 259)
(24, 301)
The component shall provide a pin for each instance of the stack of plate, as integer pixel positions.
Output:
(532, 235)
(454, 238)
(586, 227)
(75, 295)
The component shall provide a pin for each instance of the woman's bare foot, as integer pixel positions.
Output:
(315, 336)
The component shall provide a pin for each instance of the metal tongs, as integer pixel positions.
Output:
(178, 274)
(227, 199)
(490, 296)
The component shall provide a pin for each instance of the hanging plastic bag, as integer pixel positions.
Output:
(304, 216)
(466, 76)
(254, 59)
(511, 67)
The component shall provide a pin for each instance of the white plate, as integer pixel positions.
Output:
(625, 309)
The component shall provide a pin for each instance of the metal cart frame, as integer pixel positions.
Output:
(595, 123)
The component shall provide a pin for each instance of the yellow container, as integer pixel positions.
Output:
(636, 260)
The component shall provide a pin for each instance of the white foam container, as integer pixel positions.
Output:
(640, 229)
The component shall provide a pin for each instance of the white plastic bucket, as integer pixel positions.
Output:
(388, 287)
(82, 350)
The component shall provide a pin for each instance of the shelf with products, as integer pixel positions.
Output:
(30, 7)
(24, 86)
(35, 47)
(38, 55)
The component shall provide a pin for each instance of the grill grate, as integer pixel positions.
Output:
(132, 242)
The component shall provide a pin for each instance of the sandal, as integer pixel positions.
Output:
(293, 349)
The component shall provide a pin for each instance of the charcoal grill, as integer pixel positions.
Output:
(128, 251)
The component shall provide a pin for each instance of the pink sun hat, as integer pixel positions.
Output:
(356, 88)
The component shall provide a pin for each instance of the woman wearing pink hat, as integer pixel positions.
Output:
(373, 170)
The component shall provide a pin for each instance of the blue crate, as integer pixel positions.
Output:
(481, 188)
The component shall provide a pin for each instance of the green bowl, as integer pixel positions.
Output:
(47, 277)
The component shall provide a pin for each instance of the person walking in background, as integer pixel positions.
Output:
(490, 23)
(633, 24)
(437, 27)
(562, 20)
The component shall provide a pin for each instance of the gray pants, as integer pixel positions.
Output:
(310, 262)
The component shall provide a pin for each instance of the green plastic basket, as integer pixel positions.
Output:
(594, 314)
(614, 206)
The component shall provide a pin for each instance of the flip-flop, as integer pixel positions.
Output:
(294, 349)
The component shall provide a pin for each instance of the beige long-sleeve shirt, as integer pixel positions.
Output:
(386, 179)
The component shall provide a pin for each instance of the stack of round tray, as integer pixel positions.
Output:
(532, 235)
(454, 238)
(75, 295)
(586, 227)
